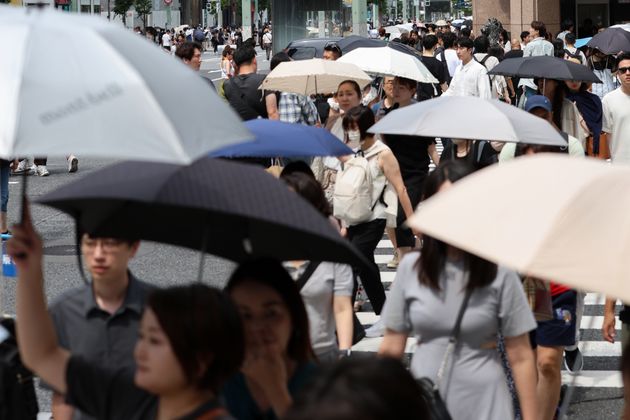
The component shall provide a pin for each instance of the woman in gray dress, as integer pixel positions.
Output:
(424, 301)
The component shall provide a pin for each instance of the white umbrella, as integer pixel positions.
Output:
(76, 84)
(396, 30)
(471, 118)
(308, 77)
(386, 61)
(551, 216)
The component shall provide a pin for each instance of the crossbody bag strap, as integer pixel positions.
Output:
(312, 266)
(452, 342)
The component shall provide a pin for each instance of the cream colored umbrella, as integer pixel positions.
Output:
(309, 77)
(558, 218)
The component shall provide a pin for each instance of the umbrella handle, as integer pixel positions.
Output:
(24, 209)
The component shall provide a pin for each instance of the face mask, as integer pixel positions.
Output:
(354, 136)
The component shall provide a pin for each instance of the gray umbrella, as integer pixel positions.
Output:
(467, 117)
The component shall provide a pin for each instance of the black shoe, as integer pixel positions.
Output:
(573, 360)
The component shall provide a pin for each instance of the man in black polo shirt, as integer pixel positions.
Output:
(100, 320)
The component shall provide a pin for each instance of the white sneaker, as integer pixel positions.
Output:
(41, 170)
(73, 164)
(23, 166)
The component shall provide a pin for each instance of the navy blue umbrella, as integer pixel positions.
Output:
(280, 139)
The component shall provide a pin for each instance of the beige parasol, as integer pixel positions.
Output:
(308, 77)
(558, 218)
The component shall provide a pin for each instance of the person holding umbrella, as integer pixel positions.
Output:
(603, 66)
(182, 359)
(430, 290)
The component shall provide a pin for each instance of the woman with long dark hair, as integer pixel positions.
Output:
(278, 354)
(424, 301)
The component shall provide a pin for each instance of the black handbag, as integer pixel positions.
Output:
(430, 389)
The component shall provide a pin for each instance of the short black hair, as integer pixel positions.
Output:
(524, 35)
(362, 388)
(622, 56)
(278, 58)
(481, 44)
(465, 42)
(308, 188)
(429, 42)
(244, 55)
(204, 330)
(570, 38)
(567, 24)
(186, 51)
(466, 32)
(449, 39)
(333, 47)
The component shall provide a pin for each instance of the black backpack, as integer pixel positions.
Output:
(575, 55)
(17, 390)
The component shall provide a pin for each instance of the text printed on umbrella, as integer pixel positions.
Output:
(79, 104)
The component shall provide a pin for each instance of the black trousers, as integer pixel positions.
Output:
(404, 235)
(365, 237)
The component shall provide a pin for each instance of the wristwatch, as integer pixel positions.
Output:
(344, 353)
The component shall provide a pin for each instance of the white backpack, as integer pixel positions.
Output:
(353, 198)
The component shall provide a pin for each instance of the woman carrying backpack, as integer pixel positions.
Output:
(365, 232)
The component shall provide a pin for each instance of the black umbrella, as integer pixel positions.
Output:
(232, 210)
(612, 40)
(544, 67)
(353, 42)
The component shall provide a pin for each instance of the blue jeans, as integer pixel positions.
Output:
(4, 184)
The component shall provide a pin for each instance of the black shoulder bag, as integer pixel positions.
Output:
(358, 332)
(431, 390)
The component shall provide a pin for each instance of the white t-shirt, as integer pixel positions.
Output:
(267, 38)
(451, 60)
(470, 79)
(616, 121)
(166, 40)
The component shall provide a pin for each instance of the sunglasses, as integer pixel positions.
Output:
(332, 46)
(623, 70)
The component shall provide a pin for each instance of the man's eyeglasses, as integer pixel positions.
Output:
(623, 70)
(109, 245)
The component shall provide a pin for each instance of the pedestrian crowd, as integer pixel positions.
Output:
(277, 341)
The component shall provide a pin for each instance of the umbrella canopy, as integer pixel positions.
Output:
(387, 61)
(396, 30)
(579, 43)
(280, 139)
(552, 216)
(309, 77)
(353, 42)
(469, 117)
(236, 211)
(544, 67)
(101, 91)
(612, 40)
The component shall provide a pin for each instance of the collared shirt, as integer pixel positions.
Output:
(470, 80)
(294, 108)
(535, 48)
(96, 335)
